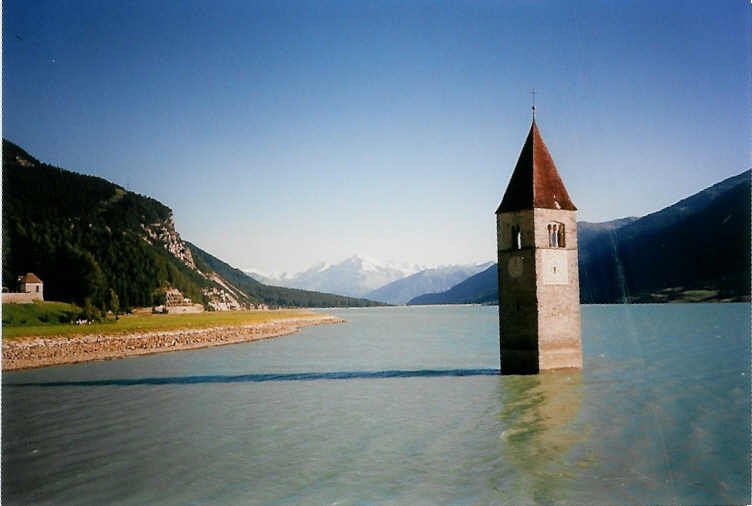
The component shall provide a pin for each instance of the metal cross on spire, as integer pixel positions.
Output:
(533, 94)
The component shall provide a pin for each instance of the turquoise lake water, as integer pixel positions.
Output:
(398, 406)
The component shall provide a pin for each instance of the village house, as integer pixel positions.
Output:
(176, 302)
(30, 288)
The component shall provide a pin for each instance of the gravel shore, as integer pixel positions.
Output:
(26, 353)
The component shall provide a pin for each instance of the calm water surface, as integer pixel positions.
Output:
(397, 406)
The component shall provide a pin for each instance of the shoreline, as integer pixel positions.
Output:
(35, 352)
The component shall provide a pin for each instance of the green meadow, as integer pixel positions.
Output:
(53, 319)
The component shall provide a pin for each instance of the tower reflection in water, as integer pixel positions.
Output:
(539, 422)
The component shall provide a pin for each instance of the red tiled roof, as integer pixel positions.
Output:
(535, 182)
(29, 277)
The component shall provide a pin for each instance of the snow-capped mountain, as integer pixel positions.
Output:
(426, 281)
(354, 276)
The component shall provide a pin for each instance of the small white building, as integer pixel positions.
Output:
(30, 288)
(30, 283)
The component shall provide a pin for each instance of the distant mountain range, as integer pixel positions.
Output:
(360, 277)
(428, 280)
(96, 244)
(274, 295)
(695, 250)
(480, 288)
(354, 277)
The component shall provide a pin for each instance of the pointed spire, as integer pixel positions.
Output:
(535, 182)
(533, 94)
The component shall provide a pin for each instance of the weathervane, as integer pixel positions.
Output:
(533, 94)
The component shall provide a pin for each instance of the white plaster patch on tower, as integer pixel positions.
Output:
(554, 267)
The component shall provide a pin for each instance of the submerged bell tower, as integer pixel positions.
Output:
(539, 290)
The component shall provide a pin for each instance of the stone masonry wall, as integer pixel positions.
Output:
(539, 307)
(17, 298)
(518, 320)
(559, 327)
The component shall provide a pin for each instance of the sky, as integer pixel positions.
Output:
(286, 133)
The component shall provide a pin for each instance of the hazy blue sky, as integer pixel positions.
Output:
(283, 133)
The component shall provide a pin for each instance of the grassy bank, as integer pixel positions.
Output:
(142, 322)
(39, 313)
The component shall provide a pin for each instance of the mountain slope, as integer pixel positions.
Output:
(696, 249)
(92, 241)
(425, 281)
(588, 234)
(701, 243)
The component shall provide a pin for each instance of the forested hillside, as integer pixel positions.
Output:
(700, 245)
(94, 243)
(84, 236)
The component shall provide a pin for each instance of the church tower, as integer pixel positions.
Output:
(539, 291)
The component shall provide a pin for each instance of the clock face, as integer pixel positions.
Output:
(515, 266)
